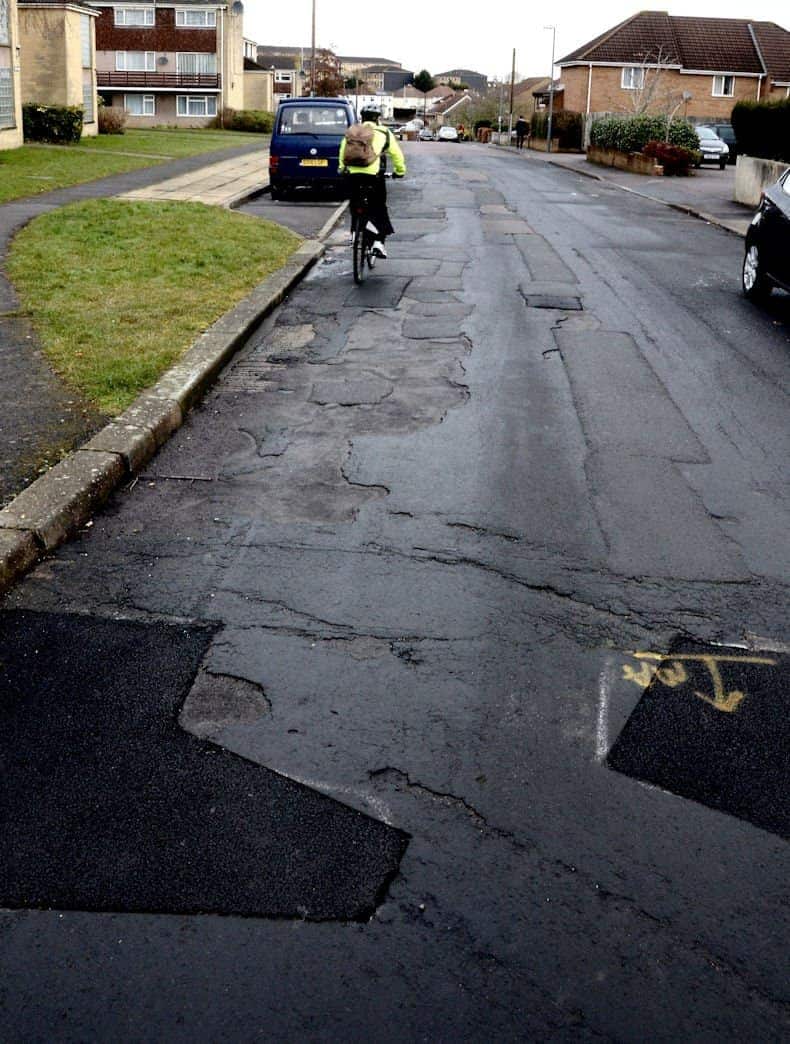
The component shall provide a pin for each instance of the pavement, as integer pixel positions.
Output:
(44, 421)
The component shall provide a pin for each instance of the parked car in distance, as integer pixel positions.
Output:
(447, 134)
(712, 148)
(425, 135)
(766, 262)
(727, 135)
(305, 144)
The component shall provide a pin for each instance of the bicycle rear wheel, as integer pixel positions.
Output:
(359, 248)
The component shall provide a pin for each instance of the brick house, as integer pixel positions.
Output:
(176, 63)
(58, 57)
(701, 65)
(10, 88)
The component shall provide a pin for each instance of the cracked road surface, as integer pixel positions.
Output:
(436, 520)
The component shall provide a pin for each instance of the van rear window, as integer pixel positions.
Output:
(312, 119)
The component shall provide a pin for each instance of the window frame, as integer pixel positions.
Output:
(183, 12)
(145, 98)
(187, 98)
(145, 11)
(122, 67)
(723, 77)
(196, 54)
(632, 69)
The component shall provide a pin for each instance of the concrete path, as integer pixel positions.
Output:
(222, 184)
(41, 418)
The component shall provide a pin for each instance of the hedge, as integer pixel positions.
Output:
(566, 126)
(673, 158)
(59, 124)
(632, 133)
(253, 121)
(762, 129)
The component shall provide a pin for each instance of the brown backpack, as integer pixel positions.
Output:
(359, 151)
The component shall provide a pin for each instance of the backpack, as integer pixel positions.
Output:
(359, 151)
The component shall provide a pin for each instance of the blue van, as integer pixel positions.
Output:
(305, 143)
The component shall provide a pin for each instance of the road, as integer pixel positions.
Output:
(473, 585)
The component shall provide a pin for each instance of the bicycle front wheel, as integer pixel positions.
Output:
(360, 250)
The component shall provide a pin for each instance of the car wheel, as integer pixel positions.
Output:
(276, 192)
(722, 164)
(756, 285)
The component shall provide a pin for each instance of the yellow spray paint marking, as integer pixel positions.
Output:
(673, 674)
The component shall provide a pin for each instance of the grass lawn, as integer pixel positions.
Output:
(118, 290)
(32, 169)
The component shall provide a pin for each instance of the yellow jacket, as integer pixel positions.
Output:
(380, 142)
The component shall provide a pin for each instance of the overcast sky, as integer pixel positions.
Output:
(439, 35)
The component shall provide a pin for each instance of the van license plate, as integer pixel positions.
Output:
(314, 163)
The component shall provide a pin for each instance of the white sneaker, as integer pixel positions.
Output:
(378, 249)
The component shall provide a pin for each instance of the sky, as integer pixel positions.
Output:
(440, 35)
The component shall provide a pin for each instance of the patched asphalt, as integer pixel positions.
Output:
(107, 804)
(712, 726)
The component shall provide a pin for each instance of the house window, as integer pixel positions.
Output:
(723, 86)
(87, 97)
(6, 99)
(196, 105)
(85, 41)
(4, 19)
(134, 16)
(633, 78)
(196, 19)
(196, 64)
(139, 104)
(134, 61)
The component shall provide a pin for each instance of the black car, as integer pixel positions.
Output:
(766, 263)
(727, 135)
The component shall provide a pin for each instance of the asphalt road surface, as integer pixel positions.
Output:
(493, 551)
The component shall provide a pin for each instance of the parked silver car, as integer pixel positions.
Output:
(712, 148)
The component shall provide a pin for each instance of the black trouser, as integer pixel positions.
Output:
(374, 188)
(520, 140)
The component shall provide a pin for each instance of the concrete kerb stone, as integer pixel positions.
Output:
(53, 507)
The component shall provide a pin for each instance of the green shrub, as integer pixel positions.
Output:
(252, 121)
(632, 133)
(762, 129)
(112, 119)
(674, 158)
(60, 124)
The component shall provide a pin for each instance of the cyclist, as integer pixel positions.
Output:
(384, 142)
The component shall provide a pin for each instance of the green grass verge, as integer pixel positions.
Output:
(33, 169)
(118, 290)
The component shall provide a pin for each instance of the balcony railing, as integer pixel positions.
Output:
(155, 79)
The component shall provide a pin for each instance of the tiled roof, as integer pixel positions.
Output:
(450, 103)
(704, 44)
(774, 44)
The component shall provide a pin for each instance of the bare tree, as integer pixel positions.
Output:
(650, 90)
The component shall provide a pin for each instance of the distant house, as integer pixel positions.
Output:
(289, 67)
(10, 88)
(170, 62)
(528, 95)
(705, 65)
(475, 81)
(384, 78)
(58, 56)
(450, 111)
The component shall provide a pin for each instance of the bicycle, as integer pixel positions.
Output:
(362, 238)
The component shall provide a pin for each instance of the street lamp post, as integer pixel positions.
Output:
(551, 84)
(312, 59)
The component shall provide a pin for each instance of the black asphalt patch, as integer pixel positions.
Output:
(107, 804)
(562, 302)
(379, 291)
(712, 726)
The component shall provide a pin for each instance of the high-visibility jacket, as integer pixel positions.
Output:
(382, 139)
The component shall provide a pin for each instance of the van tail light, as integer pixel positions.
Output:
(274, 162)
